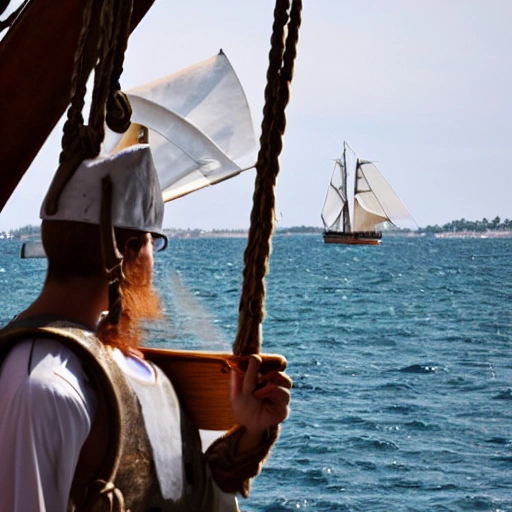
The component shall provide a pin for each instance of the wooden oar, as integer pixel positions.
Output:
(202, 381)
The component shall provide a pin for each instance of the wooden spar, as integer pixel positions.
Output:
(36, 66)
(202, 381)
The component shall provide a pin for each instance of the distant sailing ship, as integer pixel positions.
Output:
(358, 200)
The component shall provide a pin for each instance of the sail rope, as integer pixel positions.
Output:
(257, 253)
(102, 40)
(108, 103)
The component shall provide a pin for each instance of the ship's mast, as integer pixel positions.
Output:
(346, 210)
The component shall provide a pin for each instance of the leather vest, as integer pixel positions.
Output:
(117, 469)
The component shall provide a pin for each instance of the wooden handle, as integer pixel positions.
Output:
(202, 381)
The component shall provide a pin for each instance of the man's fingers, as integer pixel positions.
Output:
(278, 378)
(271, 392)
(251, 375)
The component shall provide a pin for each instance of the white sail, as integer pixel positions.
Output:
(368, 211)
(335, 198)
(377, 201)
(200, 126)
(364, 218)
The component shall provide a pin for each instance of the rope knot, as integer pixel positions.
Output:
(105, 495)
(119, 111)
(103, 487)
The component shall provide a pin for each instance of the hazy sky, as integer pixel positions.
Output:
(423, 87)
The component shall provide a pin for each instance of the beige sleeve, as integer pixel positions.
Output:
(231, 470)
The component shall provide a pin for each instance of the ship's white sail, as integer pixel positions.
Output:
(335, 199)
(200, 126)
(376, 201)
(359, 198)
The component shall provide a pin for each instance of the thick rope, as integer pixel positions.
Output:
(71, 131)
(102, 74)
(72, 143)
(277, 93)
(114, 29)
(78, 141)
(119, 110)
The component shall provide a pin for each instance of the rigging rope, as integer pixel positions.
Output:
(257, 253)
(114, 23)
(106, 48)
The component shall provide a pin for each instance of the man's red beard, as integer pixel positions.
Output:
(139, 302)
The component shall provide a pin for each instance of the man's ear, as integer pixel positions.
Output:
(132, 247)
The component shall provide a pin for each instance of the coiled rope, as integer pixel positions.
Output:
(282, 55)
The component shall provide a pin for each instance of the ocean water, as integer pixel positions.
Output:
(400, 357)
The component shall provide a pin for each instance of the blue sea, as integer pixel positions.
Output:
(400, 357)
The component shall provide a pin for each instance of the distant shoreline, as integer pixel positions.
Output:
(308, 231)
(389, 234)
(474, 234)
(406, 234)
(233, 234)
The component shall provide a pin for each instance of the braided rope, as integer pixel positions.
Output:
(75, 120)
(114, 28)
(102, 77)
(78, 141)
(119, 110)
(257, 253)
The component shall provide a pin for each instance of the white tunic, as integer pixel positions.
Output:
(49, 418)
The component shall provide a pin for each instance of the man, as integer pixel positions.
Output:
(85, 422)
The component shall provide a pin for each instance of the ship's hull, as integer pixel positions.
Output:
(352, 238)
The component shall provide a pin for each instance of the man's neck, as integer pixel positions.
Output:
(78, 300)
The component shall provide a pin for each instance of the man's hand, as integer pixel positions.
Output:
(259, 401)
